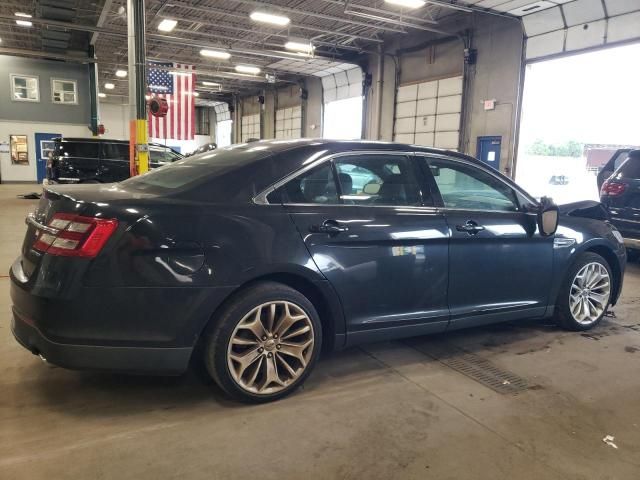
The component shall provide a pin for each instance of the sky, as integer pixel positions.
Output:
(591, 98)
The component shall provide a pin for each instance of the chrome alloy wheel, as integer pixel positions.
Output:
(270, 347)
(590, 293)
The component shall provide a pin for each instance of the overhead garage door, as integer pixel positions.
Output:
(289, 122)
(223, 124)
(581, 24)
(250, 127)
(342, 94)
(428, 113)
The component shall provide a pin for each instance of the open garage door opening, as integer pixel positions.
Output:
(577, 112)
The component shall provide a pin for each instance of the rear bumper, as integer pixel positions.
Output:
(169, 361)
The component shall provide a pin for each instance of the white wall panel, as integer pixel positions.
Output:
(425, 139)
(342, 85)
(407, 93)
(406, 109)
(578, 37)
(250, 127)
(289, 122)
(404, 137)
(427, 90)
(405, 125)
(583, 11)
(543, 22)
(448, 122)
(426, 123)
(426, 107)
(450, 86)
(452, 104)
(547, 44)
(448, 140)
(618, 7)
(624, 27)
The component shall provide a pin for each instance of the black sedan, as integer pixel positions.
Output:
(254, 257)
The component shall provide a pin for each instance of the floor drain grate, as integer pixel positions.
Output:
(473, 366)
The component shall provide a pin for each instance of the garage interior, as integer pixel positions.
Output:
(516, 400)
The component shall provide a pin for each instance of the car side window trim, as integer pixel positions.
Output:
(261, 198)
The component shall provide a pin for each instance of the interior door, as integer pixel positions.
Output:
(369, 233)
(44, 147)
(500, 267)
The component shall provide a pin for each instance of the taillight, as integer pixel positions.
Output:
(75, 236)
(613, 189)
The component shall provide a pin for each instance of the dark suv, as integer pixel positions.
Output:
(88, 160)
(620, 193)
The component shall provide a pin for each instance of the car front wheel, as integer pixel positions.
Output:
(586, 293)
(264, 343)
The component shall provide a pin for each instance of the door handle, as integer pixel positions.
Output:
(328, 226)
(471, 227)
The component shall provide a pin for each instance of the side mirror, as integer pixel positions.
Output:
(548, 217)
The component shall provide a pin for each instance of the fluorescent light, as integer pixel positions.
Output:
(167, 25)
(299, 46)
(247, 69)
(24, 23)
(196, 94)
(270, 18)
(121, 73)
(210, 84)
(109, 86)
(23, 15)
(180, 74)
(102, 95)
(215, 54)
(407, 3)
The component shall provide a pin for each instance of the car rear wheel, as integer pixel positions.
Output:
(585, 294)
(264, 343)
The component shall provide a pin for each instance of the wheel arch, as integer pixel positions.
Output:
(611, 258)
(319, 292)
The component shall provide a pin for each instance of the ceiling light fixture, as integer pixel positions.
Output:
(299, 46)
(247, 69)
(210, 84)
(121, 73)
(167, 25)
(264, 17)
(23, 15)
(102, 95)
(196, 94)
(24, 23)
(109, 86)
(407, 3)
(222, 55)
(180, 74)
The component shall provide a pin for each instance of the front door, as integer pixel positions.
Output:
(500, 267)
(44, 147)
(372, 236)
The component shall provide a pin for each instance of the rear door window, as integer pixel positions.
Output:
(115, 151)
(317, 186)
(631, 168)
(78, 149)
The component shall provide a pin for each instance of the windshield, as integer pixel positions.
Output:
(193, 170)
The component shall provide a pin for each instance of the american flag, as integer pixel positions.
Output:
(176, 83)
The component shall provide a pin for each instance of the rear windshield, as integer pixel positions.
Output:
(630, 168)
(197, 170)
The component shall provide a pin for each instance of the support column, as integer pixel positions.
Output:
(93, 92)
(138, 132)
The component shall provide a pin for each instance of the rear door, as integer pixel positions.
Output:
(500, 267)
(377, 238)
(114, 162)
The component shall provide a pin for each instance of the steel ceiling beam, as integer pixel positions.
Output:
(245, 17)
(318, 15)
(106, 8)
(396, 22)
(43, 54)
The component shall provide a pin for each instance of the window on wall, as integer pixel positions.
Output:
(343, 119)
(25, 88)
(250, 127)
(428, 113)
(289, 123)
(64, 91)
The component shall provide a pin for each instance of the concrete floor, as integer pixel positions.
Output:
(378, 412)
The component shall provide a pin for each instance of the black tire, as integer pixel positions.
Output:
(563, 315)
(218, 335)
